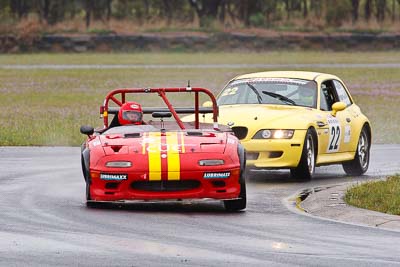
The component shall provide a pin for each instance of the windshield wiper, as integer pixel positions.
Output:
(259, 98)
(280, 97)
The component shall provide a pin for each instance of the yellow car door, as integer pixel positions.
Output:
(333, 124)
(347, 117)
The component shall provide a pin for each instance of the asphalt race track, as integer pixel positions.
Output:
(44, 221)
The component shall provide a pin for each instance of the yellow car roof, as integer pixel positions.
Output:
(305, 75)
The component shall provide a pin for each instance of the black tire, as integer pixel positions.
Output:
(89, 202)
(306, 168)
(88, 197)
(239, 203)
(84, 171)
(359, 165)
(86, 174)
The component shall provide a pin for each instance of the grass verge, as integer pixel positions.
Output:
(274, 57)
(47, 106)
(382, 196)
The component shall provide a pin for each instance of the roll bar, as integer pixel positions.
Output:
(118, 96)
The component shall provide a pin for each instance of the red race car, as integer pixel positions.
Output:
(130, 159)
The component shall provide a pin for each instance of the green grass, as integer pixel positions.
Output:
(47, 107)
(281, 57)
(382, 196)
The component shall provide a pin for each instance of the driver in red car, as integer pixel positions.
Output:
(130, 113)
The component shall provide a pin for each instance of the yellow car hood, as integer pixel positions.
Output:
(266, 116)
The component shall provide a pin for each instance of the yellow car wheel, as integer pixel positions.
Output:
(305, 170)
(359, 165)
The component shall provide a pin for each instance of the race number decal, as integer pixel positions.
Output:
(334, 135)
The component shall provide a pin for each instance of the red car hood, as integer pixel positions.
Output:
(171, 142)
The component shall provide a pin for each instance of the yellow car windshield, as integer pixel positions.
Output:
(277, 91)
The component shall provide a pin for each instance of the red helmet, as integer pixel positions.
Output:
(130, 113)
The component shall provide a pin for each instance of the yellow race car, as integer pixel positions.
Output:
(296, 120)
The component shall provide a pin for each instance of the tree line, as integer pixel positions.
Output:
(249, 13)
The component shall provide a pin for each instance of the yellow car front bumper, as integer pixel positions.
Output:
(275, 153)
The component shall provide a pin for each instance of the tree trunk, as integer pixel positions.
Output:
(46, 8)
(231, 13)
(354, 11)
(247, 8)
(206, 10)
(168, 11)
(287, 6)
(398, 2)
(223, 10)
(367, 9)
(380, 10)
(393, 10)
(305, 9)
(146, 9)
(19, 7)
(88, 10)
(108, 14)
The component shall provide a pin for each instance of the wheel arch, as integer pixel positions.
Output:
(242, 159)
(85, 161)
(369, 131)
(315, 139)
(366, 124)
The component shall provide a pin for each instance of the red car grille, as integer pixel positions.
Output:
(165, 186)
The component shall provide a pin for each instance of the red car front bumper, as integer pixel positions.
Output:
(191, 185)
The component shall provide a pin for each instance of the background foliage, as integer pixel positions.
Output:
(299, 15)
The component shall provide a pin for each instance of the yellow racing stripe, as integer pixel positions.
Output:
(174, 165)
(154, 154)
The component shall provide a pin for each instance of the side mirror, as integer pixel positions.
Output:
(87, 130)
(207, 104)
(338, 106)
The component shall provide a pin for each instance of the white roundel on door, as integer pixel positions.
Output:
(335, 132)
(347, 134)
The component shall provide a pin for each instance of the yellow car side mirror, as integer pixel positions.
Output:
(338, 106)
(207, 104)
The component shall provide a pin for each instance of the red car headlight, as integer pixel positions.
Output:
(211, 162)
(119, 164)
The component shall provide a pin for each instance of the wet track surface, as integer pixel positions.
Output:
(44, 221)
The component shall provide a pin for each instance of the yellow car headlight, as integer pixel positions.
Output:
(274, 134)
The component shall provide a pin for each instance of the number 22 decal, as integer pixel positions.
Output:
(334, 136)
(335, 133)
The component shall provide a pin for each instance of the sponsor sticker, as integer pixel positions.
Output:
(216, 175)
(134, 106)
(96, 143)
(292, 81)
(230, 91)
(113, 177)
